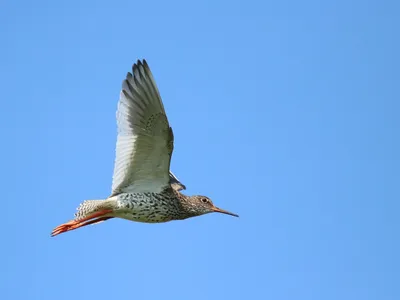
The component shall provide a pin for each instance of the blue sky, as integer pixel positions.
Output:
(285, 112)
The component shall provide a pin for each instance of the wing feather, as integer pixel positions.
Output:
(145, 139)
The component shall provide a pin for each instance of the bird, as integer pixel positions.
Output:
(143, 187)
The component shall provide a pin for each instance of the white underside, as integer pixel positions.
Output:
(146, 186)
(130, 216)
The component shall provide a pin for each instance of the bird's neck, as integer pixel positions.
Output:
(187, 207)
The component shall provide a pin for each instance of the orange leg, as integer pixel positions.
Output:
(74, 224)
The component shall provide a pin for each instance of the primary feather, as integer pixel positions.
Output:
(145, 139)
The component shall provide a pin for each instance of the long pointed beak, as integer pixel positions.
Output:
(222, 211)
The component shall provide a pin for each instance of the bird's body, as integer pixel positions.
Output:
(143, 189)
(149, 207)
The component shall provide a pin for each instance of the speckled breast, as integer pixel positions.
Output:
(148, 207)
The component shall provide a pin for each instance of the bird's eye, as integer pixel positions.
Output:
(205, 200)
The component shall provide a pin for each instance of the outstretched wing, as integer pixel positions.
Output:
(145, 140)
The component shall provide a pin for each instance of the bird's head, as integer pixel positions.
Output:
(200, 205)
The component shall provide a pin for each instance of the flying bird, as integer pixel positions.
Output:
(143, 187)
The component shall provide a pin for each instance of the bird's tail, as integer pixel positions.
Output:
(88, 212)
(88, 207)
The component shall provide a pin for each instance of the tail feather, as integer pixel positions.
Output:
(88, 212)
(88, 207)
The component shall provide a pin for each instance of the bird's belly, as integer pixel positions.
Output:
(145, 217)
(148, 208)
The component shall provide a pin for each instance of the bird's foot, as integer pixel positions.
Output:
(74, 224)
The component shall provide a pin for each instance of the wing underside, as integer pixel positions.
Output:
(145, 139)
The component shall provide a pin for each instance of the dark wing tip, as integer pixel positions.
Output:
(146, 66)
(141, 69)
(141, 65)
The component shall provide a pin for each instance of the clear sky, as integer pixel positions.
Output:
(285, 112)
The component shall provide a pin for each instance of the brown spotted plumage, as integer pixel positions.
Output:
(143, 188)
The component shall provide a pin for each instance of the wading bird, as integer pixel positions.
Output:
(143, 188)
